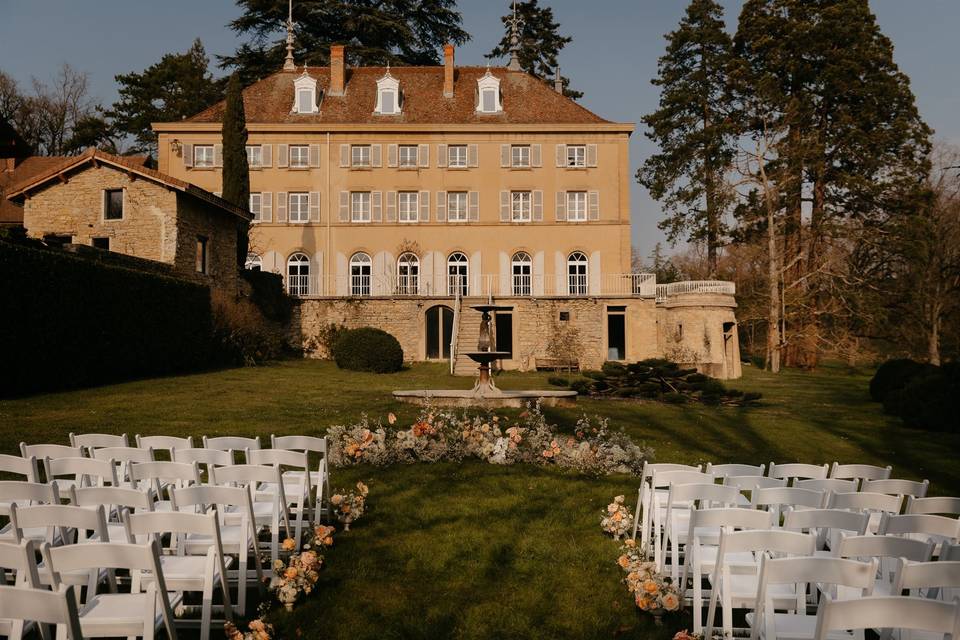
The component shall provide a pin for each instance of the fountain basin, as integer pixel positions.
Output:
(496, 398)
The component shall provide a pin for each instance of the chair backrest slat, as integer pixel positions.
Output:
(26, 467)
(91, 441)
(726, 470)
(870, 546)
(827, 484)
(894, 612)
(47, 607)
(798, 471)
(897, 486)
(939, 505)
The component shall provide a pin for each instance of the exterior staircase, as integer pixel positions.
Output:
(468, 333)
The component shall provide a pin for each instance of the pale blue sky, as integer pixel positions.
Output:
(612, 58)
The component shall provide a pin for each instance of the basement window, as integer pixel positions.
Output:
(101, 243)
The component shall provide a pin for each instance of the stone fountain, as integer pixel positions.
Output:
(485, 393)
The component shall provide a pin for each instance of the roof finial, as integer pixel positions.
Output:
(288, 64)
(515, 22)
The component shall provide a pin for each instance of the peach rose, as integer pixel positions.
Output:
(328, 541)
(618, 516)
(391, 419)
(336, 499)
(289, 544)
(290, 573)
(548, 453)
(630, 542)
(671, 602)
(650, 586)
(623, 561)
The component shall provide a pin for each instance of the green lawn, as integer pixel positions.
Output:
(478, 551)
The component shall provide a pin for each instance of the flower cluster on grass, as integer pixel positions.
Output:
(296, 576)
(349, 505)
(652, 592)
(443, 435)
(258, 630)
(617, 518)
(686, 635)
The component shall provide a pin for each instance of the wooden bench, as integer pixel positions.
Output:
(557, 364)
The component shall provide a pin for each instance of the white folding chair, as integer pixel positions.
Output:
(238, 538)
(939, 505)
(92, 441)
(641, 517)
(921, 526)
(19, 559)
(798, 471)
(703, 538)
(929, 579)
(829, 525)
(727, 470)
(52, 451)
(18, 465)
(658, 493)
(24, 494)
(897, 487)
(80, 472)
(160, 477)
(827, 484)
(779, 500)
(873, 504)
(750, 484)
(164, 443)
(115, 501)
(269, 508)
(859, 472)
(183, 572)
(123, 457)
(845, 578)
(294, 468)
(231, 443)
(43, 607)
(206, 459)
(680, 499)
(735, 583)
(138, 613)
(888, 550)
(888, 612)
(319, 479)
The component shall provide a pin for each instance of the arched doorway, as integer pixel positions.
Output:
(438, 331)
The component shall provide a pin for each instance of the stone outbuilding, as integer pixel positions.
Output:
(116, 204)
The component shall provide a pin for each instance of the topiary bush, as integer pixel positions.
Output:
(558, 381)
(368, 349)
(894, 375)
(929, 401)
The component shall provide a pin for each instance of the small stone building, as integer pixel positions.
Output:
(116, 204)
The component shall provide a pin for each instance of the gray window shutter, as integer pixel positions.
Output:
(423, 156)
(392, 152)
(561, 155)
(424, 206)
(504, 155)
(188, 155)
(441, 155)
(344, 155)
(504, 206)
(474, 201)
(281, 206)
(266, 206)
(537, 206)
(561, 206)
(344, 206)
(218, 155)
(283, 155)
(594, 205)
(376, 206)
(266, 155)
(314, 206)
(375, 160)
(391, 206)
(314, 155)
(591, 155)
(535, 159)
(473, 156)
(441, 206)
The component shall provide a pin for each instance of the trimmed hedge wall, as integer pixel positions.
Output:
(69, 322)
(368, 349)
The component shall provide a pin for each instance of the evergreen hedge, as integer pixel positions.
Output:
(368, 349)
(69, 322)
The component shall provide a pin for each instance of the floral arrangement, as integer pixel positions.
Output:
(616, 518)
(349, 506)
(444, 435)
(652, 591)
(323, 537)
(295, 576)
(686, 635)
(258, 630)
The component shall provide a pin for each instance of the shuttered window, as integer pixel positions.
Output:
(409, 206)
(299, 209)
(360, 206)
(299, 156)
(457, 206)
(576, 206)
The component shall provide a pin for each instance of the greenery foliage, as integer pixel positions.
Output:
(923, 395)
(268, 293)
(69, 322)
(236, 171)
(894, 375)
(244, 337)
(368, 349)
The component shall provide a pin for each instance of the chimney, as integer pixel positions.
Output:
(337, 68)
(448, 70)
(558, 82)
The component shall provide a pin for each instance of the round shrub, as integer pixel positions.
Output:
(894, 375)
(930, 402)
(368, 349)
(581, 386)
(558, 381)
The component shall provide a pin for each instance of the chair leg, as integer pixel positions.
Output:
(242, 582)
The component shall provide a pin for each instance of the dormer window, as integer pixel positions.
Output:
(488, 94)
(388, 95)
(305, 94)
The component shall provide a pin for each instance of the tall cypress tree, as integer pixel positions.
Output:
(692, 129)
(236, 171)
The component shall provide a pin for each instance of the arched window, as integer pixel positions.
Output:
(360, 274)
(298, 275)
(254, 262)
(457, 274)
(522, 274)
(577, 274)
(408, 274)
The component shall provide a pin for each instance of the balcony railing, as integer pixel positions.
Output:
(364, 285)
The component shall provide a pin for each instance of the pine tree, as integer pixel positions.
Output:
(692, 129)
(540, 43)
(376, 32)
(236, 171)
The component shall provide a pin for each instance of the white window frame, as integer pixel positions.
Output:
(576, 156)
(256, 205)
(305, 94)
(458, 206)
(298, 283)
(520, 156)
(360, 206)
(408, 274)
(521, 274)
(299, 156)
(254, 156)
(408, 206)
(360, 269)
(298, 213)
(203, 156)
(304, 100)
(488, 85)
(577, 206)
(360, 156)
(457, 156)
(388, 86)
(458, 274)
(408, 156)
(521, 206)
(578, 274)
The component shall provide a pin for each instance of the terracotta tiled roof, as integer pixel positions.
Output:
(526, 100)
(132, 163)
(10, 213)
